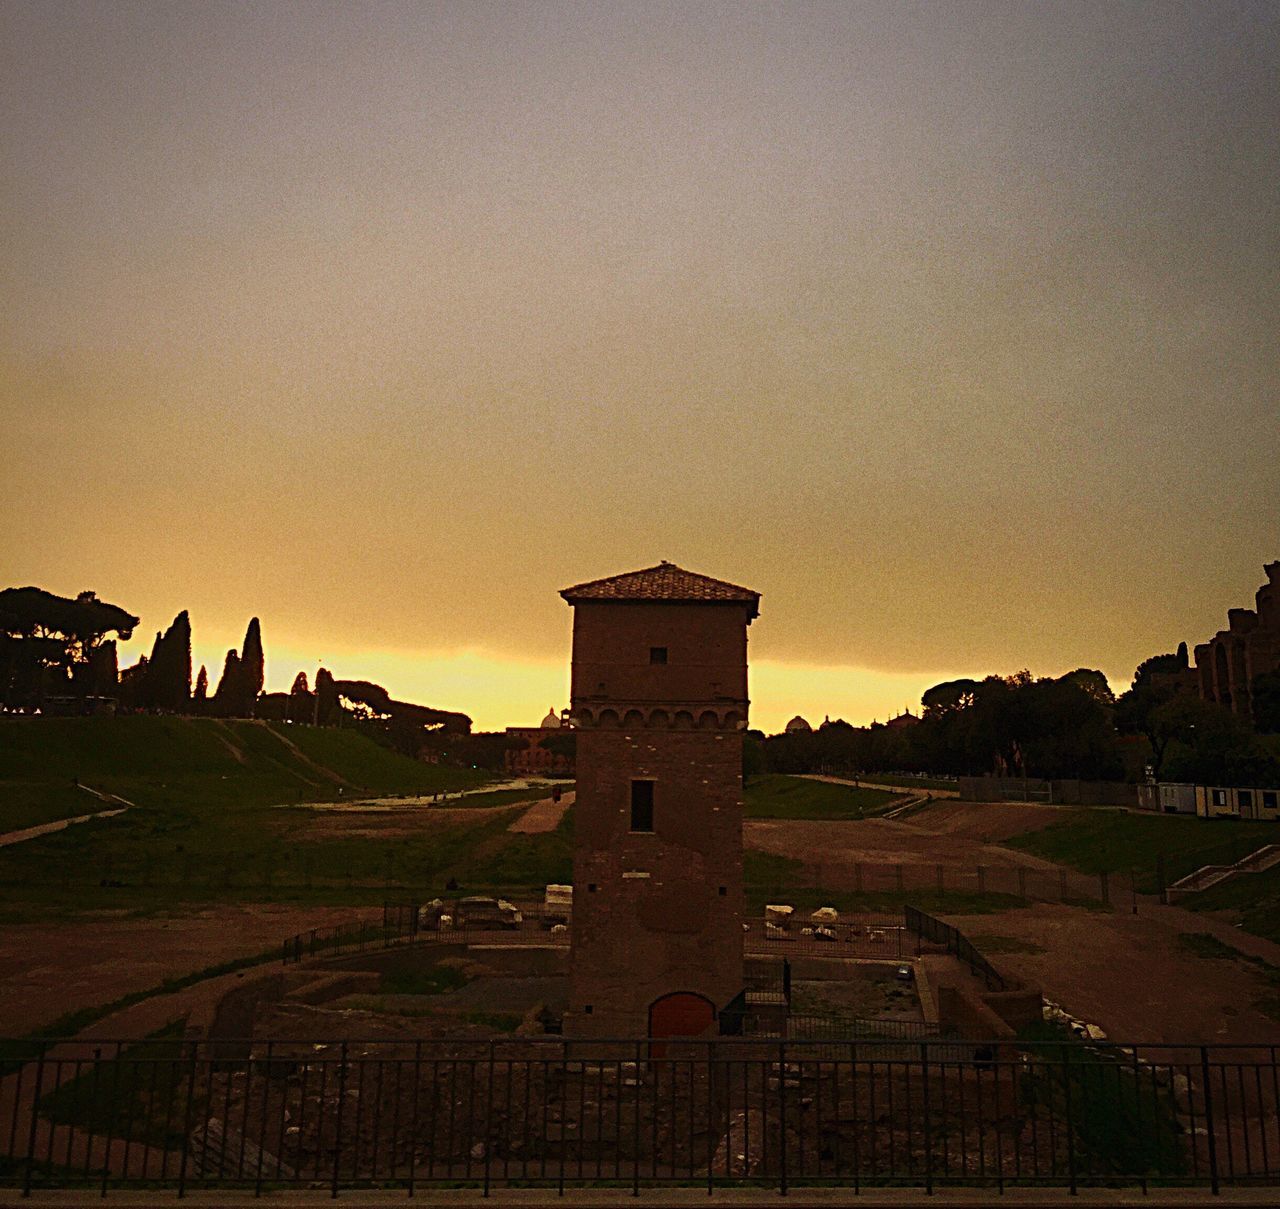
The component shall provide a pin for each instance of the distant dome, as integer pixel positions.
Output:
(551, 721)
(798, 724)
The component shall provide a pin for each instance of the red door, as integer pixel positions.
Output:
(680, 1014)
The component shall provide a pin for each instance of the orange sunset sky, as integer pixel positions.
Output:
(950, 328)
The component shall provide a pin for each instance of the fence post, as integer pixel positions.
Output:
(186, 1124)
(488, 1119)
(782, 1118)
(1071, 1124)
(711, 1113)
(1022, 882)
(635, 1130)
(928, 1126)
(941, 887)
(1208, 1120)
(337, 1133)
(35, 1119)
(899, 876)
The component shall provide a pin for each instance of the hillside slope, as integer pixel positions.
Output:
(197, 762)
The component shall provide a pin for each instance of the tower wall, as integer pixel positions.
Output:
(656, 912)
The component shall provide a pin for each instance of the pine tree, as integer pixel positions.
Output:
(200, 698)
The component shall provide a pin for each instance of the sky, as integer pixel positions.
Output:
(950, 328)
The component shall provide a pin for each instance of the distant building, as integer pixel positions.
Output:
(902, 721)
(1229, 663)
(798, 726)
(533, 757)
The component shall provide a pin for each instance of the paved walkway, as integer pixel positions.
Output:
(874, 784)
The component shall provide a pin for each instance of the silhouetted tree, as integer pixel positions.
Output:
(47, 642)
(132, 680)
(168, 682)
(326, 698)
(104, 670)
(229, 694)
(1141, 709)
(252, 667)
(200, 697)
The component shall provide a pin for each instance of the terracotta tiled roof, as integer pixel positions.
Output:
(665, 582)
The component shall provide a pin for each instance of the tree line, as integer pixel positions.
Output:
(60, 655)
(1070, 726)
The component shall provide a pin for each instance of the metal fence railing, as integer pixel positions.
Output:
(403, 923)
(554, 1113)
(928, 928)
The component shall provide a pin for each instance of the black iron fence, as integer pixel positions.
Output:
(956, 943)
(177, 1114)
(406, 923)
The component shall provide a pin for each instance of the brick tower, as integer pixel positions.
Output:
(659, 699)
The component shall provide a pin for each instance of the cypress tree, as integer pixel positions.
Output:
(227, 697)
(170, 675)
(200, 698)
(326, 697)
(252, 668)
(104, 670)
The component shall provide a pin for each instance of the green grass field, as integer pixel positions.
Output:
(1254, 900)
(208, 823)
(774, 796)
(1110, 841)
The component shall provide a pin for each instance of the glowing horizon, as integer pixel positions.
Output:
(949, 329)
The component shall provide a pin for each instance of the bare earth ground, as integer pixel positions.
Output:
(1129, 974)
(363, 821)
(949, 833)
(1126, 973)
(47, 970)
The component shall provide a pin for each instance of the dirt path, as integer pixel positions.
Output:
(48, 970)
(885, 785)
(301, 756)
(542, 816)
(31, 833)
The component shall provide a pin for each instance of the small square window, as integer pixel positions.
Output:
(641, 805)
(657, 654)
(586, 1011)
(724, 891)
(591, 887)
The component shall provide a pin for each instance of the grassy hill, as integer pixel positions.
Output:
(775, 796)
(1111, 841)
(207, 820)
(194, 762)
